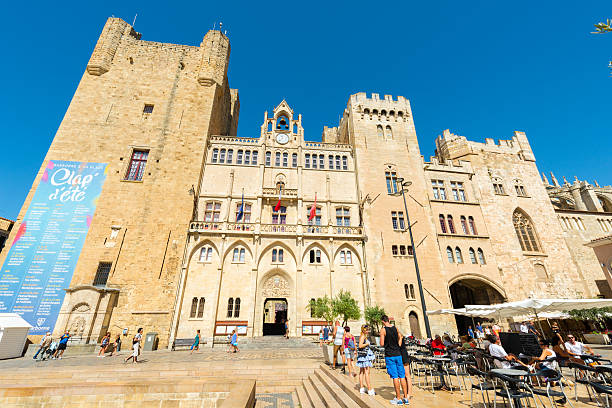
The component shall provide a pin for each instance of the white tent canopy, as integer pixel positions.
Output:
(537, 306)
(461, 311)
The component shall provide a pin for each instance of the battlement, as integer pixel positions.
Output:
(376, 108)
(454, 166)
(450, 145)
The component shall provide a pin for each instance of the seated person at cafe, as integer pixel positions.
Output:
(562, 355)
(542, 362)
(467, 343)
(576, 348)
(437, 346)
(496, 350)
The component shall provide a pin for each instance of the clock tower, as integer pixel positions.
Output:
(282, 129)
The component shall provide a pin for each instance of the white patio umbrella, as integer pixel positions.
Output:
(462, 312)
(538, 306)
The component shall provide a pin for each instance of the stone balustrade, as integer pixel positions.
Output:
(258, 228)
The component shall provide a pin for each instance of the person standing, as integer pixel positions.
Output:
(117, 344)
(234, 341)
(196, 342)
(349, 351)
(287, 328)
(338, 335)
(61, 347)
(406, 363)
(135, 346)
(40, 345)
(104, 345)
(470, 332)
(325, 333)
(523, 328)
(392, 340)
(45, 346)
(365, 360)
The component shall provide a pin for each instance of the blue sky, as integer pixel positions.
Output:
(482, 69)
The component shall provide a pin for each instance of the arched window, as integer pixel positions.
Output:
(321, 161)
(206, 254)
(277, 159)
(201, 308)
(312, 301)
(412, 292)
(212, 212)
(464, 226)
(406, 291)
(230, 154)
(394, 250)
(269, 126)
(281, 256)
(239, 157)
(194, 308)
(388, 133)
(285, 159)
(379, 130)
(280, 216)
(295, 128)
(481, 257)
(443, 224)
(282, 123)
(254, 161)
(274, 255)
(237, 308)
(449, 255)
(344, 163)
(366, 111)
(238, 255)
(222, 156)
(498, 186)
(540, 271)
(402, 250)
(280, 185)
(451, 224)
(525, 232)
(315, 256)
(331, 162)
(215, 155)
(458, 255)
(294, 159)
(230, 307)
(473, 256)
(268, 158)
(519, 188)
(314, 161)
(338, 163)
(307, 160)
(472, 225)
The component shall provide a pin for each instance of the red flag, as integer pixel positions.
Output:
(280, 194)
(313, 209)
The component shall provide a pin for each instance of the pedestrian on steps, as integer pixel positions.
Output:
(104, 344)
(196, 342)
(349, 351)
(135, 346)
(61, 347)
(40, 345)
(338, 335)
(365, 360)
(392, 341)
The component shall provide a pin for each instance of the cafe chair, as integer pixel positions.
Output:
(584, 374)
(550, 377)
(513, 390)
(479, 381)
(598, 390)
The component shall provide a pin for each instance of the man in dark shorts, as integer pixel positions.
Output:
(392, 341)
(63, 343)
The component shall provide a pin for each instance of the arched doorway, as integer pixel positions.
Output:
(415, 328)
(471, 291)
(275, 315)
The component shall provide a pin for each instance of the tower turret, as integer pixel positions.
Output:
(215, 58)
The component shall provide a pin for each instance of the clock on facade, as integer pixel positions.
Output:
(282, 138)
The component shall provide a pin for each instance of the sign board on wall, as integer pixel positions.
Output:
(46, 248)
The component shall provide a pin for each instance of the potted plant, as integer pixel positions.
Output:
(321, 308)
(373, 316)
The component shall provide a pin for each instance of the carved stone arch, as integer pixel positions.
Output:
(483, 278)
(276, 284)
(234, 244)
(78, 319)
(318, 246)
(81, 307)
(280, 177)
(606, 203)
(346, 245)
(199, 245)
(288, 249)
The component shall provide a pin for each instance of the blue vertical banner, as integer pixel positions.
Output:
(46, 248)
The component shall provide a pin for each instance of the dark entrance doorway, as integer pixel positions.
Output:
(415, 328)
(275, 315)
(472, 292)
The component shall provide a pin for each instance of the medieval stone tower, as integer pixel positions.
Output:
(147, 109)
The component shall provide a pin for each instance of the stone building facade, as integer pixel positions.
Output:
(197, 228)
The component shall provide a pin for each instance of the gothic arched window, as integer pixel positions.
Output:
(237, 308)
(194, 307)
(388, 132)
(451, 224)
(464, 226)
(449, 254)
(473, 256)
(525, 232)
(230, 307)
(379, 130)
(481, 256)
(458, 255)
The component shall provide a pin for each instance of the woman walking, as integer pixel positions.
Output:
(196, 342)
(349, 351)
(135, 346)
(104, 345)
(365, 359)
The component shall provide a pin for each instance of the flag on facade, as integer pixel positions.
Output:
(241, 209)
(313, 209)
(280, 194)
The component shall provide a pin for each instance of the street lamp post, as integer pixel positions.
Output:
(403, 185)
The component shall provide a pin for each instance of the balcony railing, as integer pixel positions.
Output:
(287, 192)
(257, 228)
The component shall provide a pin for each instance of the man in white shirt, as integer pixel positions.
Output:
(524, 328)
(496, 350)
(576, 348)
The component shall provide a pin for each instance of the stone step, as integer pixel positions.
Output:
(334, 389)
(303, 397)
(328, 399)
(351, 389)
(313, 396)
